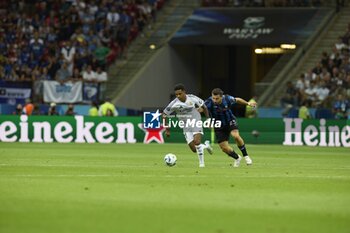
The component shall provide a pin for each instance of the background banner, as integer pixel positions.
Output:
(80, 129)
(244, 26)
(63, 93)
(90, 92)
(14, 92)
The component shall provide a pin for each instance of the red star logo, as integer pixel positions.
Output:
(153, 134)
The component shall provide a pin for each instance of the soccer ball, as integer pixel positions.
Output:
(170, 159)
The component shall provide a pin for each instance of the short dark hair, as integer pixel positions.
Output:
(179, 86)
(217, 91)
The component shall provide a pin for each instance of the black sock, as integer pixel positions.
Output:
(243, 149)
(233, 154)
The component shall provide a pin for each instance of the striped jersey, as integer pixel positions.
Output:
(222, 112)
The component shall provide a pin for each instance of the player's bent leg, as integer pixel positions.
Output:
(208, 147)
(241, 146)
(225, 147)
(238, 139)
(192, 147)
(189, 140)
(195, 149)
(197, 137)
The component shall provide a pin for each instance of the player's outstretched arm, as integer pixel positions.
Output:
(243, 102)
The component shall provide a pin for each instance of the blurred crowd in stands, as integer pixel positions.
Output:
(104, 108)
(325, 87)
(68, 40)
(261, 3)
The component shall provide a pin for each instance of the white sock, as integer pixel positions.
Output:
(204, 146)
(200, 153)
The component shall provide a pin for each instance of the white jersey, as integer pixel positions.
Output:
(185, 110)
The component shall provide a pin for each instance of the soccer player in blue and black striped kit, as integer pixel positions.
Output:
(219, 108)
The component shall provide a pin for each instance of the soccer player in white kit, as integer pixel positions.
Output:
(185, 106)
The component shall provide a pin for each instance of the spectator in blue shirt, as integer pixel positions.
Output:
(37, 49)
(340, 107)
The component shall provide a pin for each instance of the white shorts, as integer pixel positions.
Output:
(190, 135)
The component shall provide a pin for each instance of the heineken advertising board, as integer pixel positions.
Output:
(82, 129)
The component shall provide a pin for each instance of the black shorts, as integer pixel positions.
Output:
(223, 134)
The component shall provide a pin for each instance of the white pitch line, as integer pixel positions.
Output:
(144, 166)
(178, 176)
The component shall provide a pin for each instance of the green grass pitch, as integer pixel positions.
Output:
(82, 188)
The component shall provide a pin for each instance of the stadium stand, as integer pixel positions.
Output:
(60, 40)
(47, 40)
(326, 86)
